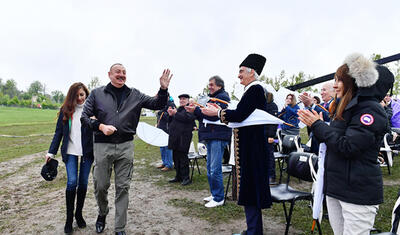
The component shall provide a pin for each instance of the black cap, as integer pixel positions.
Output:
(184, 96)
(49, 170)
(254, 61)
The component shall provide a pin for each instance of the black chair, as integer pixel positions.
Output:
(286, 145)
(299, 167)
(195, 156)
(227, 169)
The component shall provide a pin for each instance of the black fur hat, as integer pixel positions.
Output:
(49, 170)
(254, 61)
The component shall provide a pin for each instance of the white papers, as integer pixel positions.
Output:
(152, 135)
(258, 117)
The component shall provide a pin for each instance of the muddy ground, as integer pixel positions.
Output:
(29, 205)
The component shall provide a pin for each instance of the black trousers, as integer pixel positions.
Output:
(253, 220)
(181, 162)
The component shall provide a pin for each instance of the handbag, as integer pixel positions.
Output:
(303, 166)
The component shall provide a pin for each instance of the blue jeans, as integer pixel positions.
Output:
(72, 172)
(215, 151)
(166, 157)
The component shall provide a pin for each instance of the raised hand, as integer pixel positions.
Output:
(165, 79)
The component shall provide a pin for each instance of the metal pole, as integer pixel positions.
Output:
(330, 76)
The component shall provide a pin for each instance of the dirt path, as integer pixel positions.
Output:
(29, 205)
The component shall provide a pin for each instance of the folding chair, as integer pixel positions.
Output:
(194, 156)
(227, 169)
(298, 166)
(395, 220)
(286, 145)
(386, 153)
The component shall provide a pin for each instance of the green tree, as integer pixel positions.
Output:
(57, 96)
(94, 82)
(10, 88)
(35, 88)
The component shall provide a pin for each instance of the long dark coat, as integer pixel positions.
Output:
(180, 130)
(254, 185)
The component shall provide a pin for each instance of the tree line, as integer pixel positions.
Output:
(36, 95)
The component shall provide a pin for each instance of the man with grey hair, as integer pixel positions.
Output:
(117, 110)
(250, 148)
(217, 137)
(327, 95)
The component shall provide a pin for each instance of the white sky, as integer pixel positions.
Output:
(61, 42)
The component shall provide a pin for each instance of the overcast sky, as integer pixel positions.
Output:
(61, 42)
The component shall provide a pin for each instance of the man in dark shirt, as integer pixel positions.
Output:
(117, 110)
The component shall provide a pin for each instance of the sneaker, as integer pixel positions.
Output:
(207, 199)
(160, 166)
(213, 203)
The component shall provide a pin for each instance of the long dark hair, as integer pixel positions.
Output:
(68, 107)
(349, 90)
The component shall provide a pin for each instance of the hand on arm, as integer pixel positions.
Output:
(165, 79)
(107, 129)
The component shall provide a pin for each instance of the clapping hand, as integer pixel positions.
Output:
(165, 79)
(309, 117)
(212, 109)
(171, 111)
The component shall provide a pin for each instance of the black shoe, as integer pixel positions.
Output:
(186, 182)
(175, 180)
(120, 233)
(100, 223)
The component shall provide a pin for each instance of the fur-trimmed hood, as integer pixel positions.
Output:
(381, 87)
(371, 79)
(362, 70)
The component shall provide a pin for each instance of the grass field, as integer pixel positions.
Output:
(21, 121)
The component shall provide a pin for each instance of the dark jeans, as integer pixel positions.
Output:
(181, 162)
(72, 172)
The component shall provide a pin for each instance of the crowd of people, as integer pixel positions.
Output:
(352, 119)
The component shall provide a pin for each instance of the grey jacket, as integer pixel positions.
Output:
(102, 103)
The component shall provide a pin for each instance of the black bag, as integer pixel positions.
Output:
(299, 165)
(290, 143)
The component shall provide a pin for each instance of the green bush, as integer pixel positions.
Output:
(13, 102)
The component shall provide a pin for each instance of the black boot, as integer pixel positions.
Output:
(70, 200)
(80, 201)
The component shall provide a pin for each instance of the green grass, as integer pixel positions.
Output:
(146, 156)
(17, 116)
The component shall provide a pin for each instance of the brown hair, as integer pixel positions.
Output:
(349, 90)
(68, 107)
(294, 101)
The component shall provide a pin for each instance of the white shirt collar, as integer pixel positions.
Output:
(255, 82)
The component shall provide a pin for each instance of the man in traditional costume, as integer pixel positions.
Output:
(250, 147)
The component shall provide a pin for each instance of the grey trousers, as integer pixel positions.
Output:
(120, 156)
